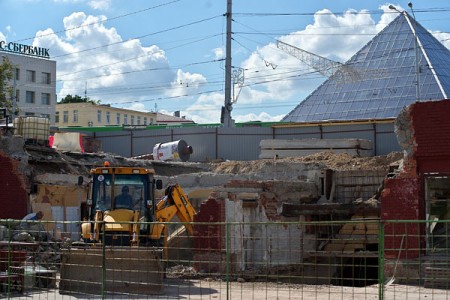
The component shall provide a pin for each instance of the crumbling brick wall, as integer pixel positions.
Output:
(209, 239)
(423, 131)
(241, 203)
(14, 196)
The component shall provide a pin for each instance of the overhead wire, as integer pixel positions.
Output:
(140, 37)
(239, 33)
(137, 57)
(367, 12)
(99, 22)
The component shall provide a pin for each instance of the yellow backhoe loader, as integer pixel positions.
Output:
(124, 245)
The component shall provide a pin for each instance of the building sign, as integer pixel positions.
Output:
(24, 49)
(134, 127)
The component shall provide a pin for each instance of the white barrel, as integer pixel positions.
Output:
(176, 151)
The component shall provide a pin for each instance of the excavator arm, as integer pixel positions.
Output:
(175, 202)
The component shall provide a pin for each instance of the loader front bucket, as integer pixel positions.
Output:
(121, 270)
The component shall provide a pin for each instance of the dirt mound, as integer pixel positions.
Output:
(339, 162)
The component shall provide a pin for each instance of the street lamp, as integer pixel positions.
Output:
(394, 8)
(416, 46)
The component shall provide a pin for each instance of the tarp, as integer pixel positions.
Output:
(67, 141)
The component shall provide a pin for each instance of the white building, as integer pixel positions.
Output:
(35, 79)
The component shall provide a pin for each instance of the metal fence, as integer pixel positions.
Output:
(240, 143)
(361, 258)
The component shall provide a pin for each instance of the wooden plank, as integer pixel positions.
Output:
(334, 246)
(342, 254)
(353, 246)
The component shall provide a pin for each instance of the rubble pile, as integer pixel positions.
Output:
(181, 271)
(321, 160)
(44, 249)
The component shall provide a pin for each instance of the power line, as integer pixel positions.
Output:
(137, 57)
(140, 37)
(366, 12)
(99, 22)
(143, 70)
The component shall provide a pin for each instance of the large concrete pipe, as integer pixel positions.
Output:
(176, 151)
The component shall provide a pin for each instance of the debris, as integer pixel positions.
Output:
(181, 271)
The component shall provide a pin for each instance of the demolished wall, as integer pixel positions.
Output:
(423, 131)
(13, 178)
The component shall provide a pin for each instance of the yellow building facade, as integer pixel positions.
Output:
(89, 115)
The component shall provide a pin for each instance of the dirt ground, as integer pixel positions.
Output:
(207, 289)
(77, 163)
(330, 160)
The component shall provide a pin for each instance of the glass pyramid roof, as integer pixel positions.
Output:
(380, 79)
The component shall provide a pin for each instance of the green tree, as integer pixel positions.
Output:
(6, 90)
(77, 99)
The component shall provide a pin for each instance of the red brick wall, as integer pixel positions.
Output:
(209, 239)
(400, 201)
(13, 194)
(431, 123)
(403, 196)
(209, 236)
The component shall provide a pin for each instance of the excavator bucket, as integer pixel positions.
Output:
(114, 270)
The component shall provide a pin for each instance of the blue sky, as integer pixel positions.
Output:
(168, 55)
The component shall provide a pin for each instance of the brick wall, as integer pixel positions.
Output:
(427, 127)
(209, 236)
(13, 195)
(431, 124)
(209, 239)
(400, 201)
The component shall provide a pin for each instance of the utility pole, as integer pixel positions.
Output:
(225, 118)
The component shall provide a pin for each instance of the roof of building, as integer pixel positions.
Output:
(380, 79)
(168, 119)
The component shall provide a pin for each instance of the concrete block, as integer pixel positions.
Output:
(59, 179)
(271, 153)
(316, 144)
(212, 179)
(185, 180)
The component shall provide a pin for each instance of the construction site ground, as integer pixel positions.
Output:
(212, 289)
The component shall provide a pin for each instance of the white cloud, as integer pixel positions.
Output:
(65, 1)
(99, 4)
(185, 83)
(137, 107)
(219, 53)
(336, 36)
(263, 117)
(121, 72)
(273, 76)
(206, 109)
(133, 75)
(443, 37)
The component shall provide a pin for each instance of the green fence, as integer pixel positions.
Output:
(362, 258)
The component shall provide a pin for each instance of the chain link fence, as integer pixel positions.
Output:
(361, 258)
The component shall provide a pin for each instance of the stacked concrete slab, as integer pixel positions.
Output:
(302, 147)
